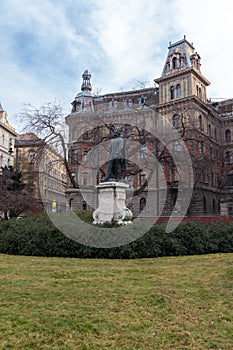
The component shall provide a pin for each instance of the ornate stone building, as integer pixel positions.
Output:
(180, 97)
(43, 169)
(7, 140)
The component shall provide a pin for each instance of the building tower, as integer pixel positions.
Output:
(181, 75)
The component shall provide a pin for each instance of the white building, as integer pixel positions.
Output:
(7, 140)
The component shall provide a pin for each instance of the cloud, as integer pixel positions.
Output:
(209, 24)
(46, 45)
(129, 33)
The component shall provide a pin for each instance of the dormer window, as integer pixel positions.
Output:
(142, 100)
(174, 63)
(130, 102)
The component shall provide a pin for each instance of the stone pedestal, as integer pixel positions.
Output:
(111, 199)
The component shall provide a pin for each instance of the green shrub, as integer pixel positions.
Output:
(38, 236)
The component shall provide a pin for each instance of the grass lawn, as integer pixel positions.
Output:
(148, 304)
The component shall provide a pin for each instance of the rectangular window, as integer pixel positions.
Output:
(85, 179)
(230, 180)
(142, 179)
(85, 152)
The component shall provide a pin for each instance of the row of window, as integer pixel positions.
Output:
(175, 63)
(213, 154)
(7, 163)
(175, 91)
(209, 128)
(114, 103)
(10, 143)
(215, 205)
(213, 178)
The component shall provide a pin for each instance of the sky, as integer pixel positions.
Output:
(46, 46)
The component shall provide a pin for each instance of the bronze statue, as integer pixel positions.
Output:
(116, 158)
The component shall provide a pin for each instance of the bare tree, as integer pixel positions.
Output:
(47, 122)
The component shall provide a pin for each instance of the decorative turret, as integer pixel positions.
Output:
(84, 100)
(181, 76)
(86, 85)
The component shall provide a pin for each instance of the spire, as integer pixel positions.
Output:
(1, 109)
(86, 85)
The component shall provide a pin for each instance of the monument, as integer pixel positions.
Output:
(111, 191)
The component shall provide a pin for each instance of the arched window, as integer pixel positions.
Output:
(230, 180)
(200, 122)
(172, 92)
(204, 204)
(178, 91)
(142, 203)
(176, 121)
(85, 175)
(200, 93)
(202, 147)
(209, 130)
(227, 135)
(211, 152)
(214, 206)
(174, 63)
(84, 205)
(71, 203)
(212, 178)
(228, 157)
(218, 180)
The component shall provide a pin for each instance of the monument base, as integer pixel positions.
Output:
(112, 208)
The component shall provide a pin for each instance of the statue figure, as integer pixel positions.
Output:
(116, 158)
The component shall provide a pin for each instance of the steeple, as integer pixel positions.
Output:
(86, 85)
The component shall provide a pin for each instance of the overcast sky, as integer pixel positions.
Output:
(46, 45)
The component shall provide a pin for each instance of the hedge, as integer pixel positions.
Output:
(37, 236)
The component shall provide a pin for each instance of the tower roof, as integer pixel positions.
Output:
(183, 49)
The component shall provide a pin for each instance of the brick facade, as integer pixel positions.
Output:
(179, 97)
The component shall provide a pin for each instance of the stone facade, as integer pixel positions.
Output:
(7, 140)
(179, 97)
(43, 169)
